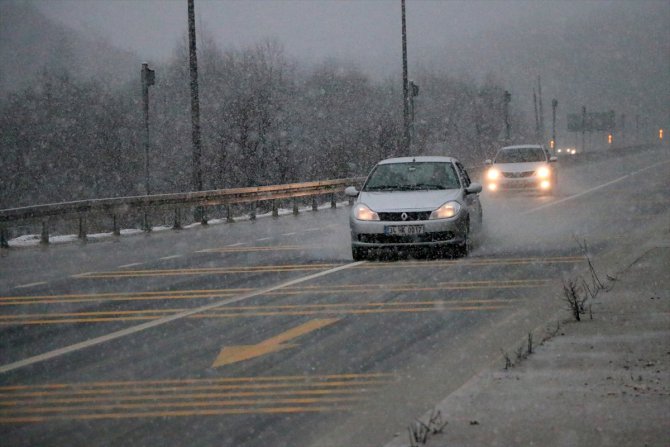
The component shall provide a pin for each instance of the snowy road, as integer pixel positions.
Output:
(265, 333)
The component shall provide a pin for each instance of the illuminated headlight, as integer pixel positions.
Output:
(493, 174)
(362, 212)
(492, 186)
(545, 184)
(449, 209)
(560, 150)
(573, 151)
(543, 172)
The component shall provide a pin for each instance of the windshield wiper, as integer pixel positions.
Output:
(381, 188)
(428, 186)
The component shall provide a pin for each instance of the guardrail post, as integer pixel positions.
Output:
(332, 201)
(315, 204)
(252, 214)
(177, 219)
(275, 208)
(295, 206)
(4, 237)
(229, 214)
(203, 216)
(82, 228)
(116, 231)
(44, 236)
(146, 224)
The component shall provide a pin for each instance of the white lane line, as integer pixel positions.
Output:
(288, 234)
(125, 266)
(237, 244)
(169, 257)
(311, 229)
(151, 324)
(595, 188)
(263, 239)
(32, 284)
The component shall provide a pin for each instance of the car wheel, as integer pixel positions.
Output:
(358, 254)
(464, 247)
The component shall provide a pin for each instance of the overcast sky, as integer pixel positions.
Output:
(363, 31)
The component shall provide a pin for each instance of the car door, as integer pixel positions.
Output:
(471, 200)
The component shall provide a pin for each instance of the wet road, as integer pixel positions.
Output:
(266, 333)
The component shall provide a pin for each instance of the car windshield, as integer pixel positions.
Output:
(521, 155)
(413, 176)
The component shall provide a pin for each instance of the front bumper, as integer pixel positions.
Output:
(508, 184)
(439, 232)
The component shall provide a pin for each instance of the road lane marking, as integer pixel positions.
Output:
(281, 268)
(134, 264)
(32, 284)
(169, 257)
(328, 309)
(151, 324)
(289, 234)
(595, 188)
(300, 290)
(262, 248)
(234, 354)
(186, 397)
(264, 239)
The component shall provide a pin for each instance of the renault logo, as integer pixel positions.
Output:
(404, 216)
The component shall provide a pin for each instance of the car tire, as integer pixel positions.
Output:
(463, 248)
(359, 254)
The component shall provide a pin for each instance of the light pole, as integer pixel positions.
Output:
(507, 98)
(148, 78)
(405, 85)
(554, 104)
(195, 108)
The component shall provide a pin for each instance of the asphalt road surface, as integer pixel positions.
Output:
(266, 333)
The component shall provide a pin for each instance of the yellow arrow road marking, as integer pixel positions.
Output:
(233, 354)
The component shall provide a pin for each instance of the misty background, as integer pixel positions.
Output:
(305, 90)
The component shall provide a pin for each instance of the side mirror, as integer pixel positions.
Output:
(553, 159)
(350, 191)
(474, 188)
(488, 161)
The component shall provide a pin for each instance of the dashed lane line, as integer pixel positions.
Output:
(165, 258)
(125, 266)
(32, 284)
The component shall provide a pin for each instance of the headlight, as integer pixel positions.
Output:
(560, 150)
(492, 174)
(362, 212)
(449, 209)
(573, 152)
(543, 172)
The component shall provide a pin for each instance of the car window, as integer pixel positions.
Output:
(521, 155)
(412, 176)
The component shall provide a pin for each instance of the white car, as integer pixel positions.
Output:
(522, 167)
(415, 203)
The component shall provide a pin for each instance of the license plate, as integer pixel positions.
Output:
(403, 230)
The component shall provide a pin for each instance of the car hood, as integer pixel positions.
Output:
(385, 201)
(520, 167)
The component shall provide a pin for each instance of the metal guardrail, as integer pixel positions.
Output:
(119, 206)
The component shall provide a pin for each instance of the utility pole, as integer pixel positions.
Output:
(507, 98)
(148, 77)
(583, 128)
(405, 85)
(554, 104)
(195, 107)
(539, 94)
(537, 118)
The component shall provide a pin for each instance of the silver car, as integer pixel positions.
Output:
(522, 167)
(415, 202)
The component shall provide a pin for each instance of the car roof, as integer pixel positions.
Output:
(522, 146)
(421, 159)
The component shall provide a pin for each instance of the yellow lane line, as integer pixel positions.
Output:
(175, 391)
(436, 306)
(257, 314)
(309, 267)
(163, 414)
(154, 405)
(172, 382)
(202, 294)
(192, 396)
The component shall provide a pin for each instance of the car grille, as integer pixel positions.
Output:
(518, 174)
(411, 216)
(426, 237)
